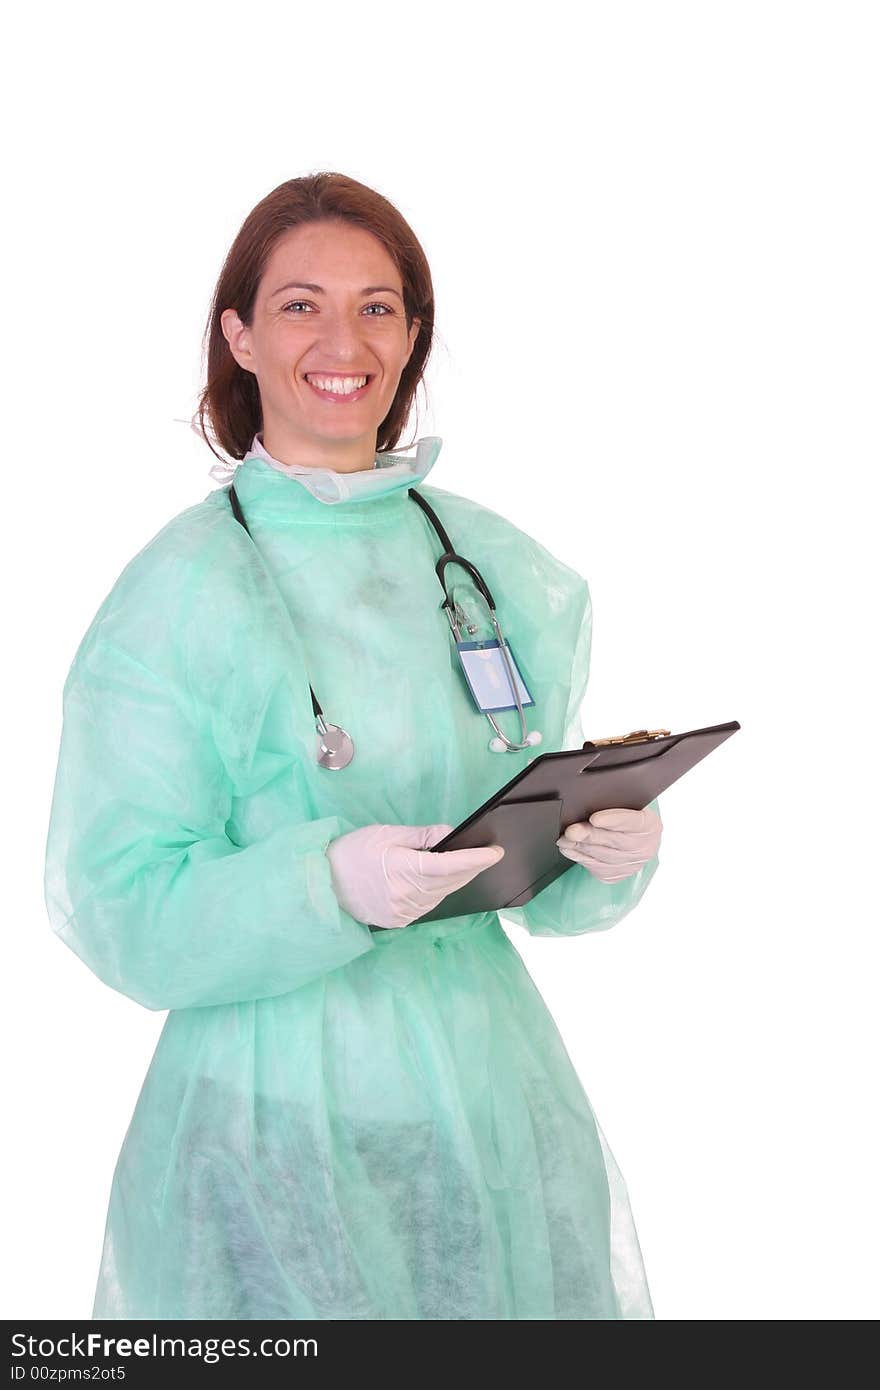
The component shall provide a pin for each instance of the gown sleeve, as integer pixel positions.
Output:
(577, 902)
(142, 879)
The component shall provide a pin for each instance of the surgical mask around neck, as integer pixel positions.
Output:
(390, 472)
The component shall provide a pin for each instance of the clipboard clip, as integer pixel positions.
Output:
(638, 736)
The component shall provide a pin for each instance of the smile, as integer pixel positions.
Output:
(339, 388)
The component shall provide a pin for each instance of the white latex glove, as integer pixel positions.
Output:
(613, 844)
(382, 877)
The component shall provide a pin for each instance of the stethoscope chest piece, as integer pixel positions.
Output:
(335, 746)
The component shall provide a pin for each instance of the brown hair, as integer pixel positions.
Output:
(230, 399)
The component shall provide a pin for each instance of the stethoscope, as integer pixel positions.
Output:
(335, 746)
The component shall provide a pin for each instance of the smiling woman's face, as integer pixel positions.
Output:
(329, 311)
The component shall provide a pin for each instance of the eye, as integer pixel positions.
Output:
(294, 303)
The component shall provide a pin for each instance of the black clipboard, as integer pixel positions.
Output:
(531, 811)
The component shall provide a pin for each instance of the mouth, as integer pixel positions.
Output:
(340, 389)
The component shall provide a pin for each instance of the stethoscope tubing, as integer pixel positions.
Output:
(450, 556)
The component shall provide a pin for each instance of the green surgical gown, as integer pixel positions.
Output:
(336, 1123)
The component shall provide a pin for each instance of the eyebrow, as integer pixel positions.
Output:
(318, 289)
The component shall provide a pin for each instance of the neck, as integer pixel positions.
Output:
(302, 451)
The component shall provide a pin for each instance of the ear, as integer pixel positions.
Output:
(238, 336)
(413, 335)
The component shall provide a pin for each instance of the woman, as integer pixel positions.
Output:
(340, 1121)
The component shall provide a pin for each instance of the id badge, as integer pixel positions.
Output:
(486, 674)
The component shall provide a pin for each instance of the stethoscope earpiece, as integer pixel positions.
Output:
(497, 745)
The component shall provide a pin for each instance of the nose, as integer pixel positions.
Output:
(341, 339)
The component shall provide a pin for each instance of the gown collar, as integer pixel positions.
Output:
(263, 480)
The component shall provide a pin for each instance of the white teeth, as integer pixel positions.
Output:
(341, 385)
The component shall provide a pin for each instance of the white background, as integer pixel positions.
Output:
(654, 245)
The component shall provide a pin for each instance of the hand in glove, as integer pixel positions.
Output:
(613, 844)
(382, 876)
